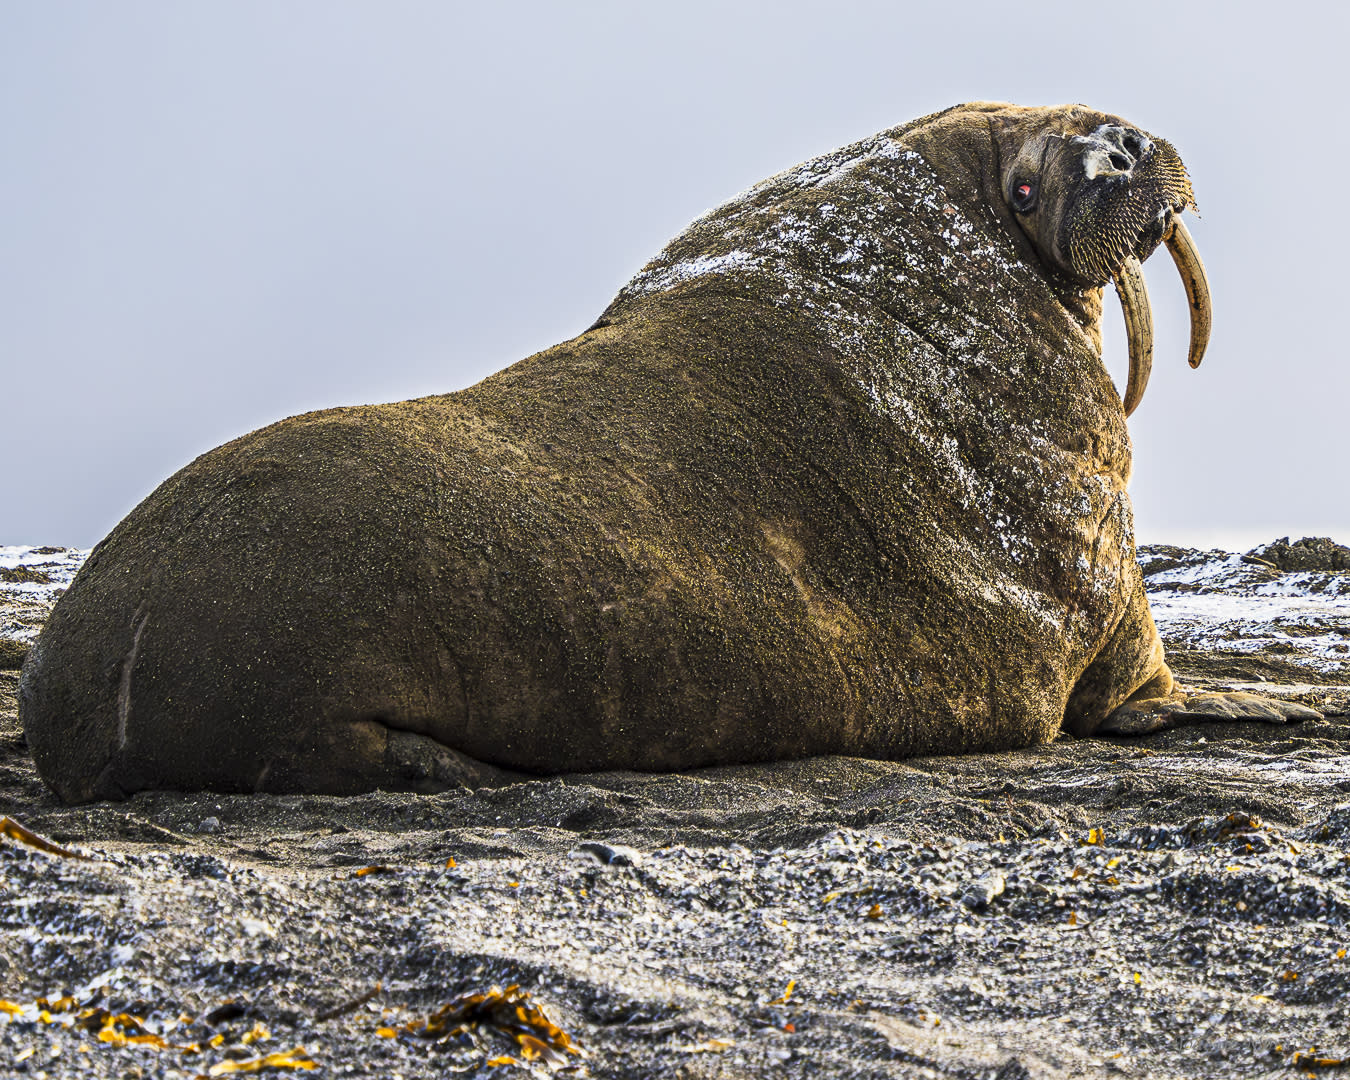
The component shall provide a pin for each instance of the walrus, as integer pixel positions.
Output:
(840, 471)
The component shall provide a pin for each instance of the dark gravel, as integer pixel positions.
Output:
(1169, 906)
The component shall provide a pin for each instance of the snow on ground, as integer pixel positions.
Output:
(58, 563)
(31, 578)
(1216, 600)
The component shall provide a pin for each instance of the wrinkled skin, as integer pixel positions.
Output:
(840, 471)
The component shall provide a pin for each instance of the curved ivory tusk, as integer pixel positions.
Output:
(1192, 271)
(1134, 303)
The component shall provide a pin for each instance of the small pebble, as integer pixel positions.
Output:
(612, 854)
(982, 891)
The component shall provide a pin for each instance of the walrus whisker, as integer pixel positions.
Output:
(1138, 312)
(1192, 271)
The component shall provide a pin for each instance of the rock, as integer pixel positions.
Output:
(612, 854)
(1159, 558)
(24, 575)
(12, 653)
(1310, 553)
(984, 891)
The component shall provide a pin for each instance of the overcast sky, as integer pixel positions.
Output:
(216, 214)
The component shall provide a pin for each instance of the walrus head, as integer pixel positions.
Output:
(1096, 196)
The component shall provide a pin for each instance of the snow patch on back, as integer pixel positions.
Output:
(660, 278)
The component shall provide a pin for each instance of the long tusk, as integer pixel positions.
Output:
(1192, 271)
(1134, 303)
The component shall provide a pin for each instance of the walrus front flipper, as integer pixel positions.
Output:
(1129, 666)
(1132, 667)
(1143, 715)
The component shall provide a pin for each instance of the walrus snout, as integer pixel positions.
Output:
(1120, 187)
(1112, 150)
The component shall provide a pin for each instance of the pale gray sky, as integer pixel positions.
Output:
(216, 214)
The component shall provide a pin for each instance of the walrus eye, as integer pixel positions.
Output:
(1023, 196)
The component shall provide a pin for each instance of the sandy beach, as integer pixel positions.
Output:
(1172, 905)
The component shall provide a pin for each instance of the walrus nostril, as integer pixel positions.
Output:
(1121, 162)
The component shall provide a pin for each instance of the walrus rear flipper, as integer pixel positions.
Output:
(376, 756)
(419, 763)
